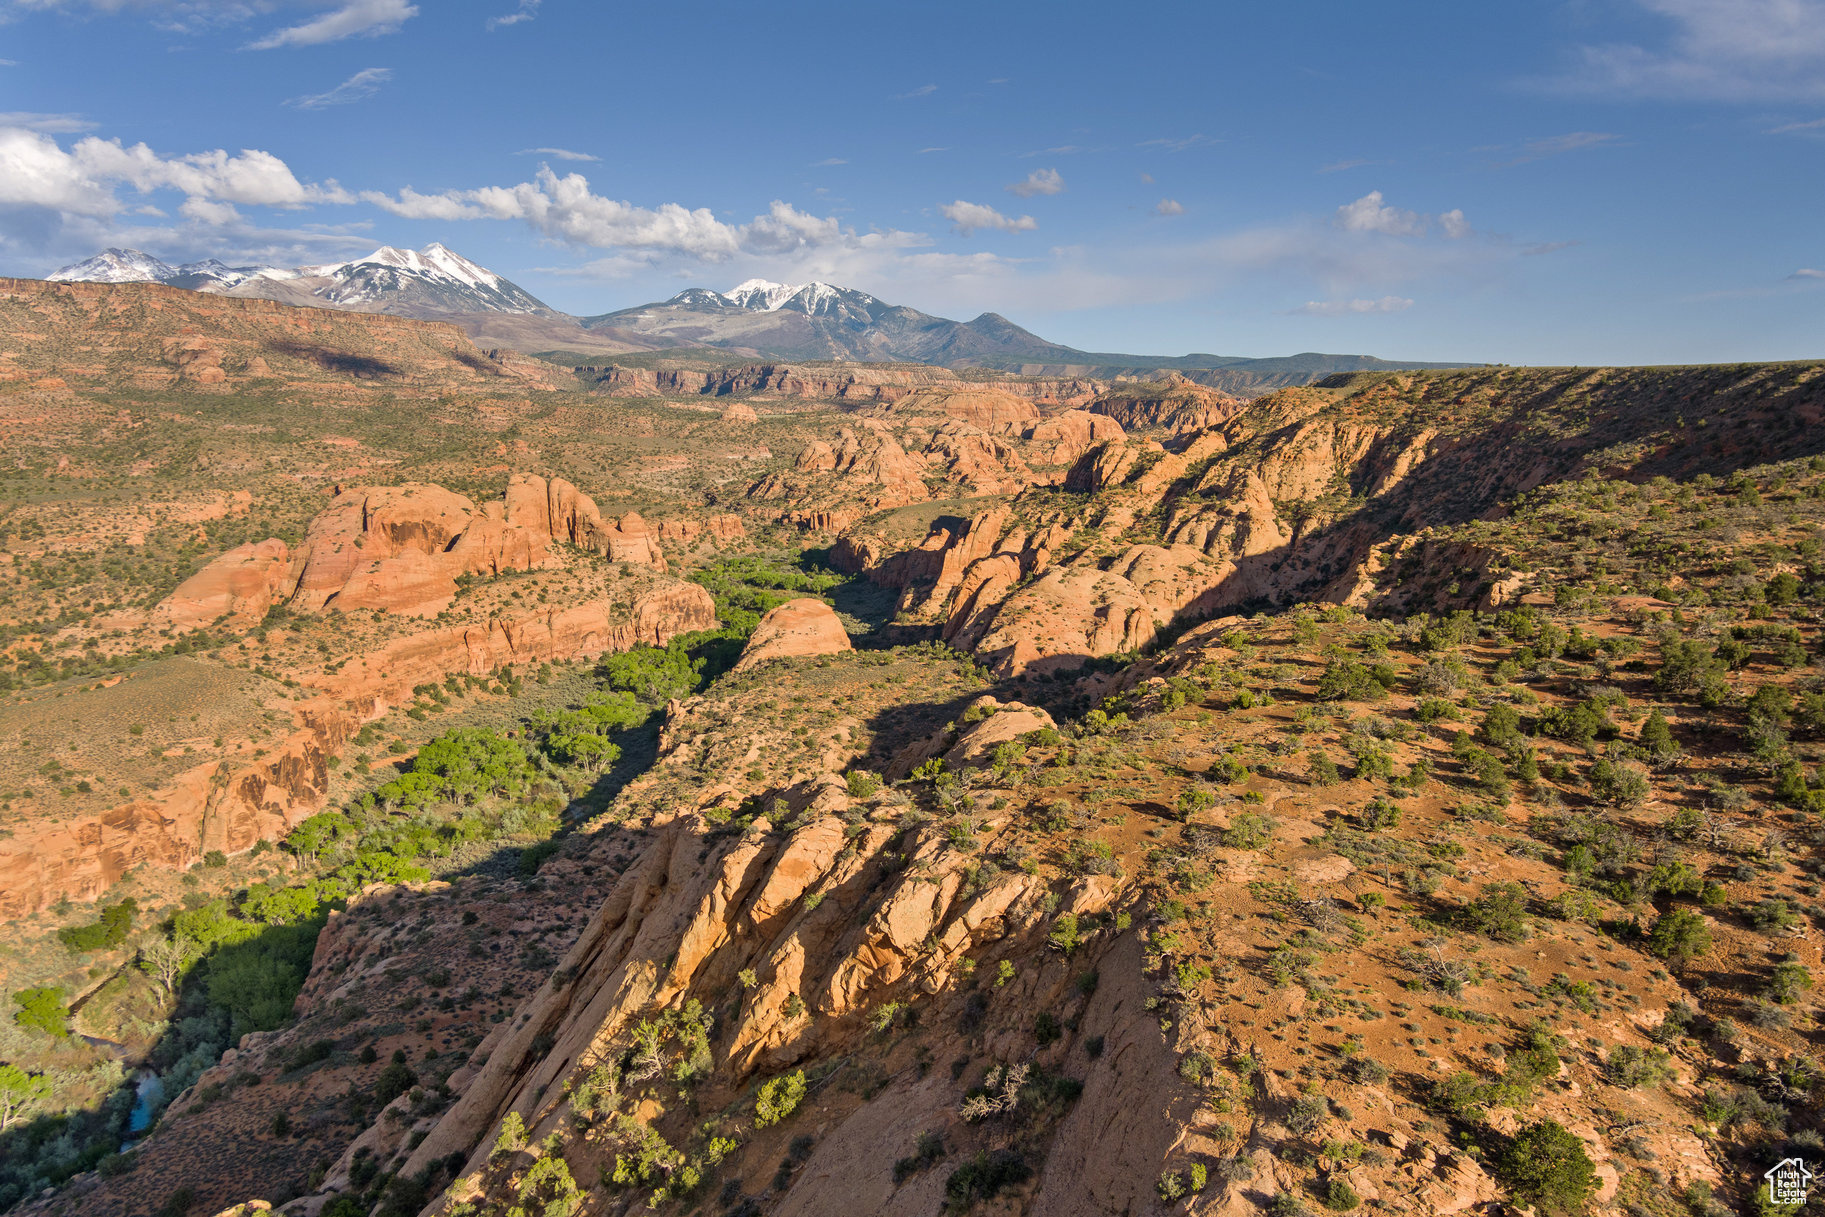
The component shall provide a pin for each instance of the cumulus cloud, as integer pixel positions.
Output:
(1348, 308)
(36, 172)
(1372, 214)
(565, 208)
(967, 218)
(1168, 207)
(1731, 50)
(1040, 181)
(356, 19)
(527, 10)
(363, 84)
(49, 124)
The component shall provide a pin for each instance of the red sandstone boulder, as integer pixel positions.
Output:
(370, 524)
(798, 627)
(240, 585)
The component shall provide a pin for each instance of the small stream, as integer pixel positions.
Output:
(149, 1092)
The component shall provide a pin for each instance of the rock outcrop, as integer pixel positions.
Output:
(855, 385)
(401, 549)
(148, 335)
(794, 629)
(238, 588)
(233, 803)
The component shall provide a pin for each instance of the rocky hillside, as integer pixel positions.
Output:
(148, 336)
(1398, 793)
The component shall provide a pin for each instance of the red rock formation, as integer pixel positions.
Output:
(400, 549)
(1061, 439)
(363, 529)
(798, 627)
(1174, 404)
(857, 384)
(720, 529)
(231, 804)
(241, 586)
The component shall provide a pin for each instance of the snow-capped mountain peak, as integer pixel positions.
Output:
(766, 296)
(761, 295)
(433, 280)
(116, 266)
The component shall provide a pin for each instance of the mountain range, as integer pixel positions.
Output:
(756, 319)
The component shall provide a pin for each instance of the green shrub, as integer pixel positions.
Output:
(1340, 1197)
(42, 1009)
(110, 930)
(1788, 981)
(394, 1080)
(1432, 709)
(778, 1098)
(1500, 912)
(984, 1177)
(1679, 936)
(1547, 1167)
(1324, 769)
(1345, 679)
(1249, 830)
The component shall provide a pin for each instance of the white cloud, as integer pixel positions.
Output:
(562, 154)
(1040, 181)
(828, 161)
(207, 211)
(1348, 308)
(362, 84)
(48, 124)
(1555, 145)
(527, 10)
(1168, 207)
(1807, 272)
(1370, 214)
(36, 172)
(1340, 166)
(1730, 50)
(921, 91)
(84, 180)
(564, 208)
(967, 218)
(1177, 144)
(412, 205)
(1815, 124)
(356, 19)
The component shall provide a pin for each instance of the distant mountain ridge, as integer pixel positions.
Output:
(432, 281)
(755, 319)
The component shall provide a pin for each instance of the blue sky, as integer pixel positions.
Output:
(1595, 181)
